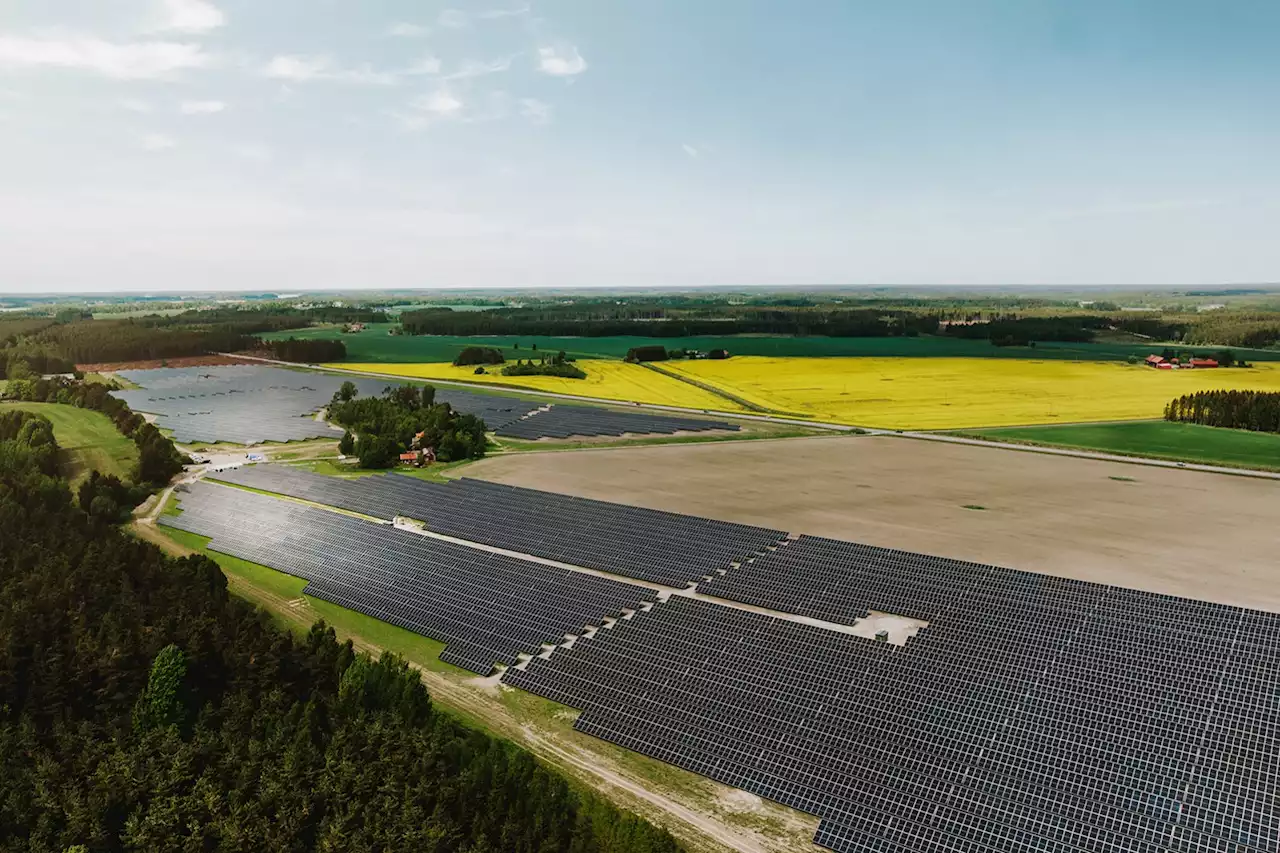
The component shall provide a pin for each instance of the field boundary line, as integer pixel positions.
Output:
(719, 392)
(1099, 456)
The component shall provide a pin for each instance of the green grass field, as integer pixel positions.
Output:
(89, 441)
(375, 345)
(1156, 440)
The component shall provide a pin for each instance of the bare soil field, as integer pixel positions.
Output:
(152, 364)
(1206, 536)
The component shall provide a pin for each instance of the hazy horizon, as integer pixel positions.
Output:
(224, 145)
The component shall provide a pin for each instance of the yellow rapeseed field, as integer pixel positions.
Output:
(609, 380)
(954, 393)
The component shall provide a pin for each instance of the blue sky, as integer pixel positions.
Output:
(242, 144)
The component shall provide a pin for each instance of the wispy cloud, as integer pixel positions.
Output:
(157, 142)
(306, 69)
(406, 30)
(561, 62)
(689, 149)
(441, 102)
(475, 68)
(539, 112)
(429, 65)
(134, 105)
(147, 60)
(493, 14)
(201, 108)
(452, 19)
(189, 16)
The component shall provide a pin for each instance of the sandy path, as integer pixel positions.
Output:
(1181, 532)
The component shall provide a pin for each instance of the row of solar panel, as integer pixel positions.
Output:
(649, 545)
(560, 421)
(493, 606)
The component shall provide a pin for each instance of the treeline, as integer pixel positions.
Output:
(158, 459)
(404, 418)
(478, 355)
(1024, 331)
(307, 350)
(1253, 330)
(1252, 410)
(142, 707)
(597, 320)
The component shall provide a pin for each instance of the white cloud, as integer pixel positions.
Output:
(134, 105)
(452, 19)
(305, 69)
(474, 68)
(493, 14)
(689, 149)
(252, 151)
(426, 65)
(539, 112)
(405, 30)
(201, 108)
(441, 102)
(149, 60)
(560, 63)
(189, 16)
(157, 142)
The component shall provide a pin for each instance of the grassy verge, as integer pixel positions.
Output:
(89, 441)
(1152, 440)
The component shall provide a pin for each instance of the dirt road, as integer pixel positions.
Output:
(1180, 532)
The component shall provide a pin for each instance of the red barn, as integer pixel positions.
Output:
(1204, 362)
(1155, 360)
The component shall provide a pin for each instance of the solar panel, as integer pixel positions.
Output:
(488, 608)
(649, 545)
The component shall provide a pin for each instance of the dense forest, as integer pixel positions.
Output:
(144, 709)
(478, 355)
(1252, 410)
(308, 350)
(158, 459)
(404, 418)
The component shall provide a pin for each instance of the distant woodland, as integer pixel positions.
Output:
(1252, 410)
(143, 708)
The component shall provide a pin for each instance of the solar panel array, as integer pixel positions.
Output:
(840, 581)
(1034, 713)
(649, 545)
(561, 421)
(486, 607)
(251, 404)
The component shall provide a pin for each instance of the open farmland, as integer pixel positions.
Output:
(609, 380)
(1208, 536)
(952, 393)
(1155, 439)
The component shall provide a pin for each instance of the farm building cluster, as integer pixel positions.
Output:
(1161, 363)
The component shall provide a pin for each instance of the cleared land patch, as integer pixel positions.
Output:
(89, 440)
(608, 380)
(962, 393)
(1156, 440)
(1207, 536)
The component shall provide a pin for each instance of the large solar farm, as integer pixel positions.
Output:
(1019, 711)
(908, 702)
